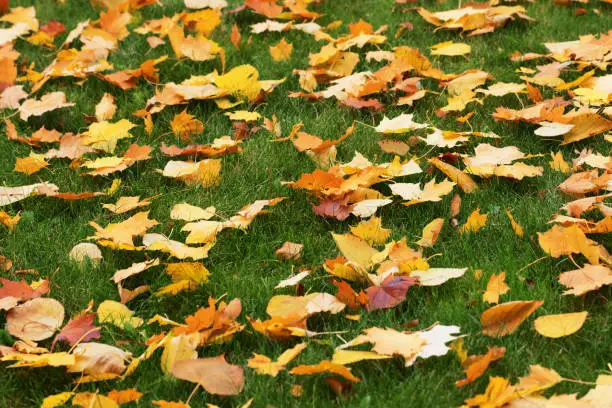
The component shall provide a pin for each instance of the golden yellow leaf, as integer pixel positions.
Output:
(243, 115)
(205, 172)
(281, 51)
(475, 222)
(558, 163)
(568, 240)
(184, 125)
(158, 242)
(355, 249)
(57, 400)
(325, 367)
(40, 360)
(123, 232)
(93, 400)
(264, 365)
(450, 48)
(8, 221)
(242, 82)
(371, 231)
(187, 212)
(125, 204)
(461, 178)
(194, 272)
(518, 230)
(117, 314)
(175, 288)
(104, 135)
(179, 348)
(495, 287)
(431, 232)
(31, 164)
(344, 357)
(559, 325)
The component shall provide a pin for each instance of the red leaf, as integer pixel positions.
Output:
(80, 328)
(390, 293)
(21, 290)
(357, 103)
(53, 28)
(337, 209)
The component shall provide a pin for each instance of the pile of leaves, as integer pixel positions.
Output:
(565, 97)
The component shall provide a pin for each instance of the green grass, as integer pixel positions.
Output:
(243, 263)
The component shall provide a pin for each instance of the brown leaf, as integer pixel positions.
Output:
(289, 250)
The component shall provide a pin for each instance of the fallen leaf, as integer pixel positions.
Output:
(390, 293)
(475, 366)
(36, 319)
(475, 222)
(214, 374)
(518, 230)
(48, 102)
(281, 51)
(559, 325)
(495, 287)
(187, 212)
(505, 318)
(431, 233)
(325, 367)
(586, 279)
(117, 314)
(289, 250)
(106, 108)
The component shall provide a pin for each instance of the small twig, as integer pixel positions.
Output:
(574, 262)
(532, 263)
(192, 393)
(82, 338)
(579, 381)
(365, 124)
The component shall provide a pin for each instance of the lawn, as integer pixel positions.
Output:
(243, 263)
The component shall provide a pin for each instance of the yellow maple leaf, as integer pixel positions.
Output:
(104, 135)
(475, 222)
(281, 51)
(185, 125)
(31, 164)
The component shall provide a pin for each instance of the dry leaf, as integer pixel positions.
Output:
(281, 51)
(35, 320)
(559, 325)
(505, 318)
(475, 222)
(289, 250)
(214, 374)
(590, 277)
(495, 287)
